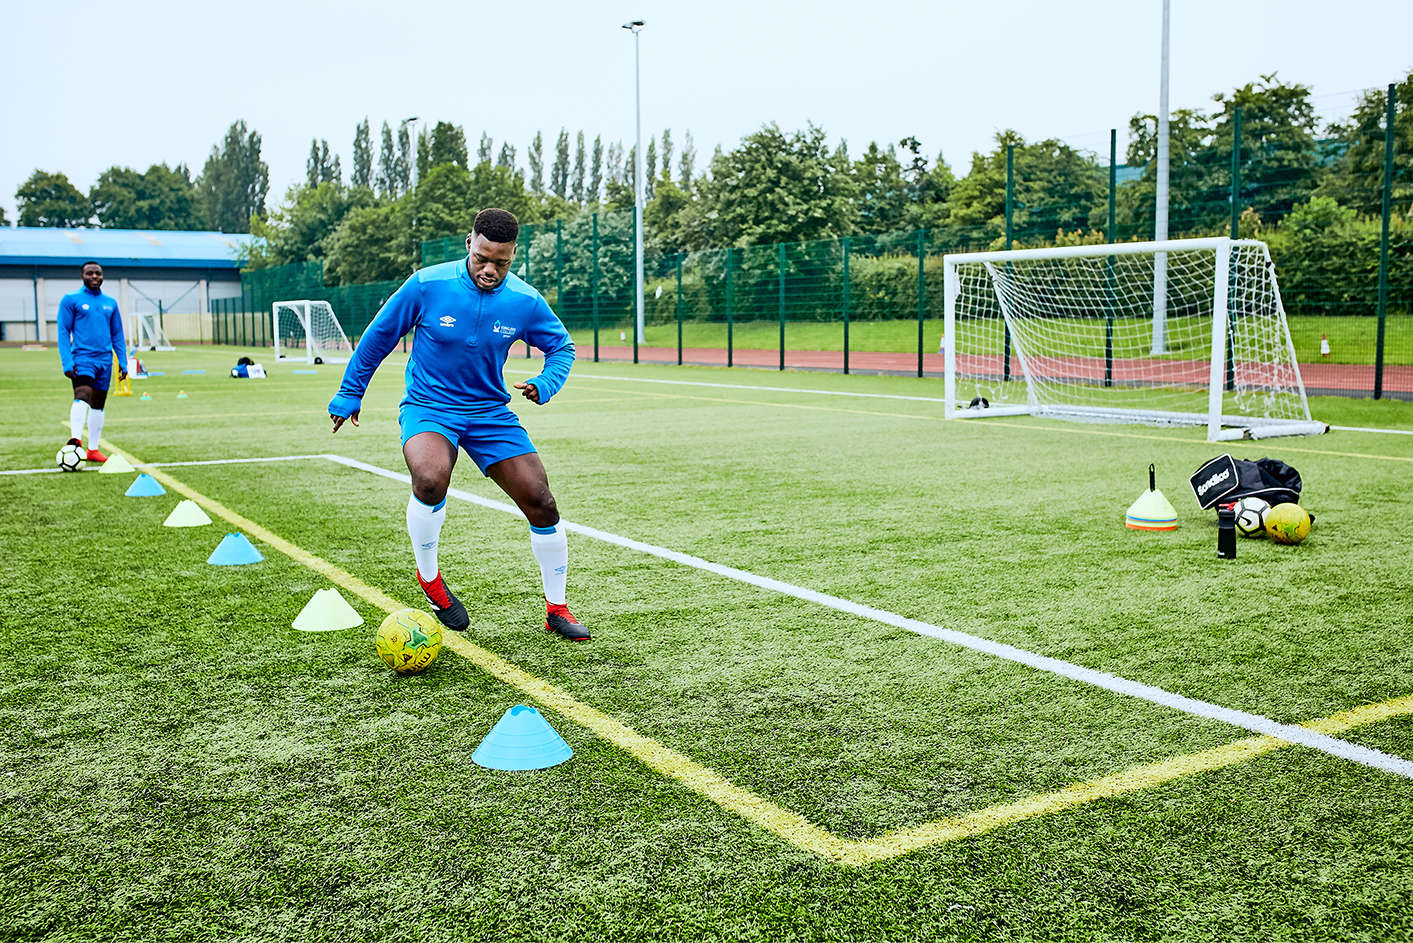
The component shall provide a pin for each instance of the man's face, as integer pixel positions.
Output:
(490, 261)
(92, 277)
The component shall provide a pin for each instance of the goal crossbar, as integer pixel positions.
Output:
(308, 330)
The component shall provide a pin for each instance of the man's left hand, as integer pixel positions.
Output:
(122, 374)
(529, 391)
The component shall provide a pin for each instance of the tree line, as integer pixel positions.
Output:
(774, 186)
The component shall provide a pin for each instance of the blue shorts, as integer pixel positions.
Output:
(97, 374)
(489, 436)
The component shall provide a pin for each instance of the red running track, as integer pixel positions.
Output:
(1317, 376)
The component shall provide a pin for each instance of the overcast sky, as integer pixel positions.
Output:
(88, 85)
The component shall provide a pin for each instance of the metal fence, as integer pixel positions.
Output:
(1342, 245)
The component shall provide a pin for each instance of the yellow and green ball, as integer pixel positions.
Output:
(408, 641)
(1287, 523)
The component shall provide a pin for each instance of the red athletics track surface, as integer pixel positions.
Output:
(1358, 378)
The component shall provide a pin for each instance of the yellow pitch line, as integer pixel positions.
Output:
(790, 826)
(1011, 424)
(1135, 779)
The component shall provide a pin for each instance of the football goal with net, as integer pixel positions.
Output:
(1181, 332)
(309, 331)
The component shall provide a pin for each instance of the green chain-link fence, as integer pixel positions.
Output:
(1342, 245)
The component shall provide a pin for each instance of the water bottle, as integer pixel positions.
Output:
(1226, 532)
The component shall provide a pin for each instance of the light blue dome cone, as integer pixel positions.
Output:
(144, 486)
(520, 740)
(234, 550)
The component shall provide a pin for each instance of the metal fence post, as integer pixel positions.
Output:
(1109, 264)
(594, 283)
(680, 257)
(1383, 244)
(780, 262)
(846, 304)
(1010, 215)
(921, 294)
(1235, 234)
(730, 305)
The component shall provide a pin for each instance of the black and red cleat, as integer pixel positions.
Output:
(560, 619)
(449, 610)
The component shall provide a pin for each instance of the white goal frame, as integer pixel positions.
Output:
(334, 347)
(149, 334)
(1047, 399)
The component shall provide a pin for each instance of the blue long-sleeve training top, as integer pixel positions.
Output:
(463, 336)
(97, 328)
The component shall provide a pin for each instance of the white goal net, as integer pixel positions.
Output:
(1078, 332)
(149, 334)
(309, 331)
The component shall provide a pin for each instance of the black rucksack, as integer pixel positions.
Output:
(1225, 479)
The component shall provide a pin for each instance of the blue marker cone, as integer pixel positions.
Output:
(144, 486)
(234, 550)
(521, 740)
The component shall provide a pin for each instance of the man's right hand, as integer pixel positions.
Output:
(340, 420)
(70, 374)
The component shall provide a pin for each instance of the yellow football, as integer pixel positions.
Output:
(408, 641)
(1287, 523)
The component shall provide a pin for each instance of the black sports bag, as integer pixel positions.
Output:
(1225, 479)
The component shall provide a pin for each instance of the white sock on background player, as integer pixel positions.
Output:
(424, 526)
(551, 548)
(78, 412)
(95, 427)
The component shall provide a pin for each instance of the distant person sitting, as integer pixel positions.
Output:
(90, 336)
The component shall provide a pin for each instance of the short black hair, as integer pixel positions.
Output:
(88, 263)
(496, 225)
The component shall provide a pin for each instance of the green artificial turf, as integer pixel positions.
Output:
(180, 764)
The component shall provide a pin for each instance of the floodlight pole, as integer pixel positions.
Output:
(635, 27)
(1160, 211)
(412, 148)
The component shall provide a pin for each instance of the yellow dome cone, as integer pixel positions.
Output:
(327, 611)
(1151, 511)
(116, 465)
(186, 514)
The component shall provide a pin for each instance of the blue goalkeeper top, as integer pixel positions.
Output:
(464, 334)
(96, 326)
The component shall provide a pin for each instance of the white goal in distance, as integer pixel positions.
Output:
(1071, 332)
(310, 332)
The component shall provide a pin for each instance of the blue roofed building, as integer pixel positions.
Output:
(172, 274)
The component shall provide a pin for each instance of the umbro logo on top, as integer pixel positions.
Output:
(448, 320)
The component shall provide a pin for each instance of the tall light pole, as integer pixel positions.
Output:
(635, 27)
(1160, 212)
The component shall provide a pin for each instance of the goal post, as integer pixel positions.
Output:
(308, 331)
(1068, 332)
(149, 334)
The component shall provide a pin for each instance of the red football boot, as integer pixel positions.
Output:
(96, 456)
(560, 619)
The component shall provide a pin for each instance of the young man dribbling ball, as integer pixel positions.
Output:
(467, 314)
(90, 335)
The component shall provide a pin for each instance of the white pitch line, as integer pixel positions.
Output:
(229, 461)
(774, 389)
(1369, 429)
(1101, 679)
(918, 399)
(1256, 723)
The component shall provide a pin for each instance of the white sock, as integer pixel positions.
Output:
(424, 526)
(77, 413)
(551, 549)
(95, 427)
